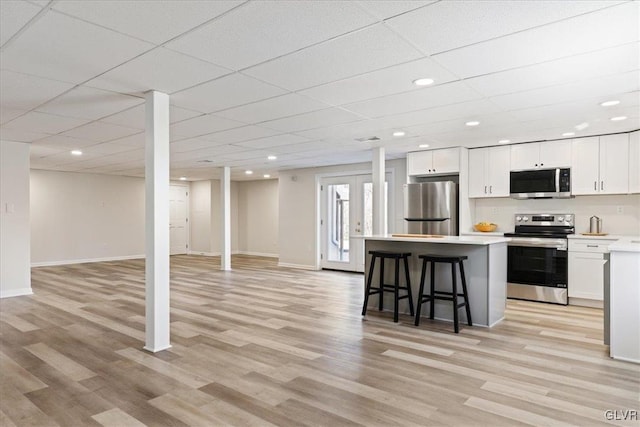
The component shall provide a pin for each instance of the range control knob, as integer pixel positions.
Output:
(561, 218)
(518, 218)
(525, 219)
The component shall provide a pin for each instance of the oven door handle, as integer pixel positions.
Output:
(541, 243)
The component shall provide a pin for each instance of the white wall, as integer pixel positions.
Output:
(15, 269)
(502, 210)
(77, 217)
(258, 217)
(298, 204)
(200, 210)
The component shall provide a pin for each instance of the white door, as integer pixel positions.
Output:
(346, 217)
(178, 219)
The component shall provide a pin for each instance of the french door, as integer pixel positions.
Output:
(346, 218)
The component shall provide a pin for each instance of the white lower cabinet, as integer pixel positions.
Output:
(587, 261)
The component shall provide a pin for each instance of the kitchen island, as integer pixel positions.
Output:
(485, 270)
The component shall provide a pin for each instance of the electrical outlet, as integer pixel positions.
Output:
(620, 209)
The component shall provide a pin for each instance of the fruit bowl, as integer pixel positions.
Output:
(485, 227)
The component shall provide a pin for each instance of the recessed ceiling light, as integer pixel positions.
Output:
(423, 82)
(610, 103)
(423, 145)
(582, 126)
(504, 141)
(568, 134)
(272, 157)
(248, 172)
(618, 118)
(472, 123)
(399, 133)
(76, 152)
(266, 175)
(183, 178)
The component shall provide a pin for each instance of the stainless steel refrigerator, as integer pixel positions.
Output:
(432, 208)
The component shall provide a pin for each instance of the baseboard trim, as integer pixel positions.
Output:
(16, 293)
(262, 254)
(298, 266)
(84, 261)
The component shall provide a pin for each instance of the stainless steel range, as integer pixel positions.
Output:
(537, 257)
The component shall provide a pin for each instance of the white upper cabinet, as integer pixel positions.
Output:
(541, 155)
(600, 165)
(433, 162)
(489, 172)
(634, 162)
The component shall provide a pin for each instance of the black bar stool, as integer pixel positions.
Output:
(397, 256)
(441, 295)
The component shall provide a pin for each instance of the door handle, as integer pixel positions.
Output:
(491, 189)
(601, 185)
(485, 189)
(595, 185)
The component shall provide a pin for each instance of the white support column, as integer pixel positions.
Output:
(225, 205)
(157, 221)
(378, 173)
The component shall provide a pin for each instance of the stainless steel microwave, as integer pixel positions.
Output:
(541, 184)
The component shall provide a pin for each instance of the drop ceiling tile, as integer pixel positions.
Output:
(135, 117)
(395, 79)
(191, 144)
(302, 147)
(619, 59)
(8, 114)
(259, 31)
(66, 49)
(137, 140)
(24, 92)
(36, 152)
(239, 134)
(619, 83)
(63, 142)
(20, 135)
(100, 132)
(225, 92)
(481, 20)
(13, 16)
(202, 125)
(44, 123)
(273, 108)
(417, 99)
(89, 103)
(385, 9)
(154, 21)
(106, 148)
(586, 33)
(273, 141)
(359, 52)
(312, 120)
(161, 69)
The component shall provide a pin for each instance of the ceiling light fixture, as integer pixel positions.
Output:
(504, 141)
(272, 157)
(248, 172)
(399, 133)
(582, 126)
(423, 82)
(76, 152)
(609, 103)
(472, 123)
(568, 134)
(618, 118)
(183, 178)
(266, 175)
(423, 145)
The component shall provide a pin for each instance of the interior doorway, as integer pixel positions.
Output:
(346, 218)
(178, 219)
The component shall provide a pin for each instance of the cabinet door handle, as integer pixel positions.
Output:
(592, 246)
(485, 189)
(491, 189)
(595, 185)
(601, 185)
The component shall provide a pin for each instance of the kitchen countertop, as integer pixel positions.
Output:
(626, 244)
(483, 233)
(607, 237)
(461, 240)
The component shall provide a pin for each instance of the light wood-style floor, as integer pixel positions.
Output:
(263, 345)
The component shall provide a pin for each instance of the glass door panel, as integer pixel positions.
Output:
(338, 224)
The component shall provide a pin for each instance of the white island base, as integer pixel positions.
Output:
(485, 271)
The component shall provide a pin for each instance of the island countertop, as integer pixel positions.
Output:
(460, 240)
